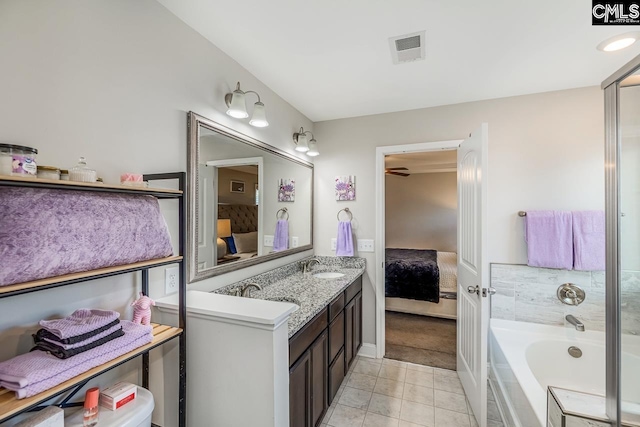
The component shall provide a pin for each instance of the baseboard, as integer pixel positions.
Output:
(368, 350)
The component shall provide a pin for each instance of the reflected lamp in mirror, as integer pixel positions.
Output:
(305, 145)
(237, 107)
(224, 228)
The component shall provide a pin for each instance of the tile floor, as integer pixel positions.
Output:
(389, 393)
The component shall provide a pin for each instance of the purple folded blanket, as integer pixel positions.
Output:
(32, 373)
(80, 322)
(63, 353)
(47, 233)
(95, 337)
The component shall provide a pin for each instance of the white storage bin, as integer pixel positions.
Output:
(136, 413)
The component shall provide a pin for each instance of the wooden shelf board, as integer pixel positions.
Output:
(86, 185)
(84, 275)
(10, 406)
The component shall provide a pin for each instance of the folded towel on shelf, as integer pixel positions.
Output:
(32, 373)
(589, 240)
(65, 353)
(80, 322)
(43, 334)
(549, 239)
(344, 241)
(281, 236)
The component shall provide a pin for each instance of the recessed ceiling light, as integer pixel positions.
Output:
(619, 42)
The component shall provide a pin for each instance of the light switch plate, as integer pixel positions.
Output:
(171, 277)
(365, 245)
(334, 242)
(268, 241)
(294, 242)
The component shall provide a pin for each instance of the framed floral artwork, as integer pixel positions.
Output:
(346, 187)
(286, 190)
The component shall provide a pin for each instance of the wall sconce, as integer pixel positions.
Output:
(238, 107)
(303, 145)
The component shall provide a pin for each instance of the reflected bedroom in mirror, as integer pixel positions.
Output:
(249, 202)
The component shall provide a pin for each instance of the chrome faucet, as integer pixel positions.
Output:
(246, 289)
(575, 322)
(306, 266)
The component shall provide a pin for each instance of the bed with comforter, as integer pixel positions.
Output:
(421, 281)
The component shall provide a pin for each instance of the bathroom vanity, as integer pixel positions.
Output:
(320, 354)
(283, 351)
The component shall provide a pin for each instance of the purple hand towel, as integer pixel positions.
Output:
(589, 240)
(281, 237)
(344, 242)
(79, 322)
(34, 372)
(549, 239)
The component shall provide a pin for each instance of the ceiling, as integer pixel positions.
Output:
(330, 59)
(424, 162)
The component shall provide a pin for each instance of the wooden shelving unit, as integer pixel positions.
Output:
(9, 405)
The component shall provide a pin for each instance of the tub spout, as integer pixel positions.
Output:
(575, 322)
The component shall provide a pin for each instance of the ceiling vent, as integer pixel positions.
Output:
(407, 48)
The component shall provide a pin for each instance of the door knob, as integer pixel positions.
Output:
(473, 289)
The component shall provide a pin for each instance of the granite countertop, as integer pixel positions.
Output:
(312, 294)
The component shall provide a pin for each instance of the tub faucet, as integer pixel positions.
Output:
(575, 322)
(306, 266)
(246, 289)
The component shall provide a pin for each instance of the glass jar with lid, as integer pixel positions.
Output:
(82, 173)
(48, 172)
(18, 160)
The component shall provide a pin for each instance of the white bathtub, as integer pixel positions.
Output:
(526, 358)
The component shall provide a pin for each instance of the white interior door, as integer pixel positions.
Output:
(473, 298)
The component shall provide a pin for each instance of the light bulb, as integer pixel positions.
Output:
(259, 117)
(237, 106)
(302, 146)
(313, 148)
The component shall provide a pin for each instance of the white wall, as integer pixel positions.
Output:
(421, 211)
(113, 81)
(546, 151)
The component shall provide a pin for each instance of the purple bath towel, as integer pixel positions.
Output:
(549, 239)
(34, 372)
(281, 237)
(47, 233)
(589, 240)
(344, 242)
(79, 322)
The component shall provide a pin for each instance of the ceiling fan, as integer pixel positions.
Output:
(393, 171)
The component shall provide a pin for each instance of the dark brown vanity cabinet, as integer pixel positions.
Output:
(318, 356)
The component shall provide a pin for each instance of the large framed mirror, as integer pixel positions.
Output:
(239, 189)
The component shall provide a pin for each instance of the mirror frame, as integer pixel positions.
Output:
(194, 121)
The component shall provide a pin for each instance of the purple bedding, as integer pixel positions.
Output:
(47, 233)
(412, 274)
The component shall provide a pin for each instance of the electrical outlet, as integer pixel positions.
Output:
(171, 277)
(334, 242)
(294, 242)
(365, 245)
(268, 241)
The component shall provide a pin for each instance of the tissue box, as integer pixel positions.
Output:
(118, 395)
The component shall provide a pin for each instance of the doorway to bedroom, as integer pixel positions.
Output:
(420, 257)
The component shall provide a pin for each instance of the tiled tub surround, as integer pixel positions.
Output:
(311, 293)
(528, 294)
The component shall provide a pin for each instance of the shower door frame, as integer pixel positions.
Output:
(611, 87)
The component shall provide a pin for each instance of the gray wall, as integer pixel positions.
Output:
(421, 211)
(545, 152)
(113, 81)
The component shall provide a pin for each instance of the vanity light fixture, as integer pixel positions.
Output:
(237, 107)
(304, 145)
(619, 42)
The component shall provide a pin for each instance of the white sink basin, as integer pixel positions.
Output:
(327, 275)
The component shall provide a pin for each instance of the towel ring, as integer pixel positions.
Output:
(284, 211)
(348, 212)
